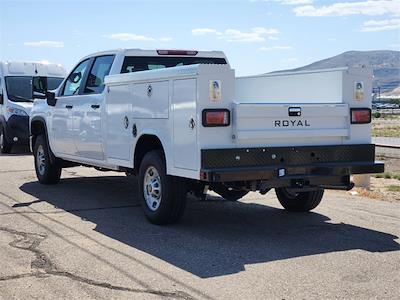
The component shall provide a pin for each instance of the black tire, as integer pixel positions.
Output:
(47, 172)
(167, 206)
(299, 202)
(230, 195)
(5, 146)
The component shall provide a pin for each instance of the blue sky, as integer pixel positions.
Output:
(258, 36)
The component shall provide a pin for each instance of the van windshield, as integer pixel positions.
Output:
(144, 63)
(21, 88)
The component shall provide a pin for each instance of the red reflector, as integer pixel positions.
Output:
(360, 115)
(216, 117)
(177, 52)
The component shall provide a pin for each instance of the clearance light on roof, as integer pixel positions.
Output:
(177, 52)
(216, 117)
(360, 115)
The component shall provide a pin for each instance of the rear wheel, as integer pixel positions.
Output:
(47, 172)
(5, 146)
(162, 197)
(229, 194)
(301, 201)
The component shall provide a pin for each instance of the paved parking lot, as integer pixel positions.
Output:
(87, 238)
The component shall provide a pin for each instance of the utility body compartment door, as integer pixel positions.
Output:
(133, 104)
(185, 127)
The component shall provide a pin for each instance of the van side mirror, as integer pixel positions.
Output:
(38, 95)
(51, 98)
(1, 98)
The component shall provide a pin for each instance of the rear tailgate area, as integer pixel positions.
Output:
(283, 124)
(302, 108)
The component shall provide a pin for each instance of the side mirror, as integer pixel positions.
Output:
(75, 77)
(1, 98)
(38, 95)
(51, 98)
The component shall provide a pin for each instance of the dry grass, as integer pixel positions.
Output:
(386, 126)
(386, 131)
(387, 175)
(368, 193)
(394, 188)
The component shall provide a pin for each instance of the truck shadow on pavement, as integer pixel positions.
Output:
(215, 237)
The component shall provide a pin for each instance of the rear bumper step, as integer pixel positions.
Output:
(283, 164)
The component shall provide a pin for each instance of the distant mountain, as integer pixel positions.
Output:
(385, 64)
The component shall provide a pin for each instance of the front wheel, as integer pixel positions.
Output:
(47, 172)
(5, 146)
(301, 201)
(162, 197)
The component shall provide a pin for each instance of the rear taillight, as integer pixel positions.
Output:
(360, 115)
(216, 117)
(177, 52)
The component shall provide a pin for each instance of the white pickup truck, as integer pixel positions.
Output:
(182, 122)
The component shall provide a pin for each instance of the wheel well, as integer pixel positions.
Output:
(145, 144)
(37, 128)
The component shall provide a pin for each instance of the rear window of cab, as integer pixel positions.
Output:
(145, 63)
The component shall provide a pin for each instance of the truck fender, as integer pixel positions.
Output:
(166, 150)
(34, 132)
(3, 121)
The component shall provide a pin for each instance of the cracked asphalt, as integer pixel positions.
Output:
(87, 238)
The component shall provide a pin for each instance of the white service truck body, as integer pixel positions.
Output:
(183, 122)
(18, 83)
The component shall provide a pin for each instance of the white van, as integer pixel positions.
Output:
(18, 83)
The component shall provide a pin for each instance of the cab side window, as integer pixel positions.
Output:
(74, 80)
(100, 69)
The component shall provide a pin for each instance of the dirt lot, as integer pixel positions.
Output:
(87, 238)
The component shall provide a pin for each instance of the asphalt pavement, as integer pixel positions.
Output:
(87, 238)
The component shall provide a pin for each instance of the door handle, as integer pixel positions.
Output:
(69, 106)
(95, 106)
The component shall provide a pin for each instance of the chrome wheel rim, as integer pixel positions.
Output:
(152, 188)
(40, 160)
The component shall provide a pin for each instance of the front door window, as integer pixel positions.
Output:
(74, 80)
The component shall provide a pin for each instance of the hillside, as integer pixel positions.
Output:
(385, 64)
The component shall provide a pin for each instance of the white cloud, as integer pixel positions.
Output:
(369, 7)
(256, 34)
(204, 31)
(165, 39)
(125, 37)
(295, 2)
(272, 48)
(287, 2)
(289, 60)
(49, 44)
(382, 25)
(394, 46)
(129, 37)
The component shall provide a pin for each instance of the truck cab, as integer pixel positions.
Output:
(182, 122)
(19, 83)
